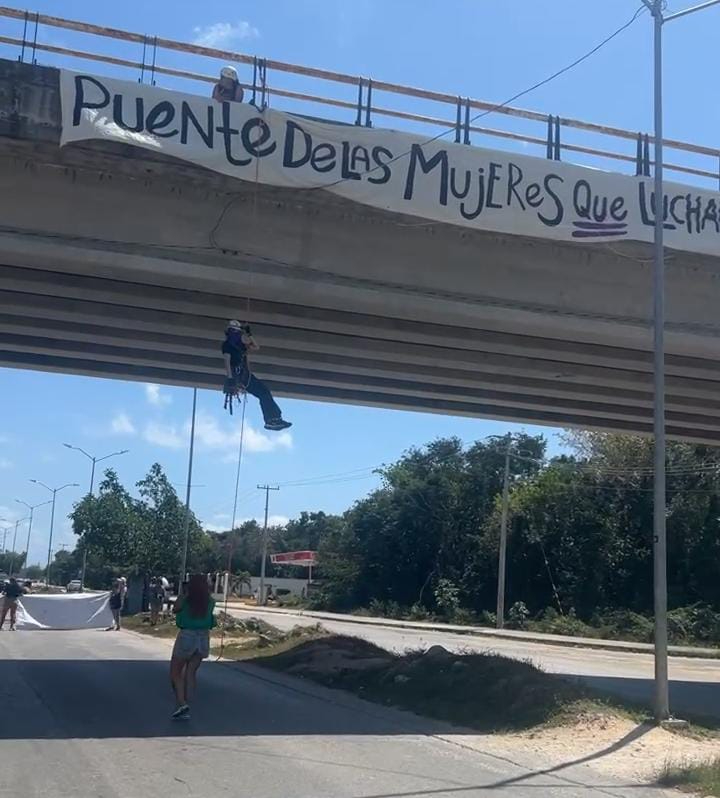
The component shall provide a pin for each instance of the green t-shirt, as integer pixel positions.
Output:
(184, 620)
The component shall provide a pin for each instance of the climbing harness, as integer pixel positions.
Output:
(233, 391)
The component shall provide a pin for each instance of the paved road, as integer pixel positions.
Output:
(85, 714)
(695, 687)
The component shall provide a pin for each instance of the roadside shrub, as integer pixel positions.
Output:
(697, 623)
(464, 617)
(518, 615)
(625, 625)
(551, 622)
(418, 613)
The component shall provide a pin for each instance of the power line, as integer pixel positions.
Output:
(501, 105)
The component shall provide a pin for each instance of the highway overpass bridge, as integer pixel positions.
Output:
(117, 260)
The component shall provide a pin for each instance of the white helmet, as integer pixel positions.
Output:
(229, 72)
(234, 324)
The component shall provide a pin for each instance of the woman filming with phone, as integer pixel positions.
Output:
(194, 616)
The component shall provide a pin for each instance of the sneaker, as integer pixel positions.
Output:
(277, 424)
(181, 713)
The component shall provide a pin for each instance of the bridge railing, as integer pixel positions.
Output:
(358, 100)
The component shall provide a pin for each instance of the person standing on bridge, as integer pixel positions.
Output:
(238, 377)
(228, 88)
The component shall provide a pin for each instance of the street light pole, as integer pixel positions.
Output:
(261, 593)
(54, 492)
(661, 698)
(502, 555)
(94, 460)
(32, 508)
(186, 536)
(14, 544)
(5, 531)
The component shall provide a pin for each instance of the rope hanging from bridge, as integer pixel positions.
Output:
(231, 547)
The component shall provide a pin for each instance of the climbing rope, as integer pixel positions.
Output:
(231, 547)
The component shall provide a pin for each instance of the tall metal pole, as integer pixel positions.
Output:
(187, 493)
(93, 460)
(267, 489)
(14, 545)
(662, 701)
(84, 562)
(52, 523)
(502, 555)
(27, 542)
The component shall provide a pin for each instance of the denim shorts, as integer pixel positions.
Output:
(190, 642)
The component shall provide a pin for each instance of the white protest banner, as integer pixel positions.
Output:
(443, 182)
(64, 611)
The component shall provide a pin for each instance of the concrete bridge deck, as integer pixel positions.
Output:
(119, 262)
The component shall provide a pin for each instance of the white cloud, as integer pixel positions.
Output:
(122, 425)
(215, 527)
(165, 435)
(224, 34)
(5, 463)
(211, 434)
(155, 396)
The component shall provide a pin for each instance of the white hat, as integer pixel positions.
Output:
(229, 72)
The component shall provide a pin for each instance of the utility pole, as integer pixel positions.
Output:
(267, 489)
(186, 536)
(54, 492)
(662, 699)
(32, 508)
(94, 460)
(502, 554)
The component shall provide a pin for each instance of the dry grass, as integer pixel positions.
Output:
(702, 778)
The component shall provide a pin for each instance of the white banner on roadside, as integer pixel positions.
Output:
(440, 181)
(64, 611)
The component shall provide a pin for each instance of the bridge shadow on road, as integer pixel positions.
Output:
(63, 699)
(131, 698)
(688, 699)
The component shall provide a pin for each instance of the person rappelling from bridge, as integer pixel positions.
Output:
(238, 377)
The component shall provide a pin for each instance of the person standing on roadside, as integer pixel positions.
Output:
(115, 602)
(194, 617)
(157, 599)
(13, 591)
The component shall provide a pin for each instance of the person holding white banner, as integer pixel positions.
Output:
(13, 591)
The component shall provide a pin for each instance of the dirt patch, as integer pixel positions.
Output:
(486, 692)
(608, 743)
(516, 707)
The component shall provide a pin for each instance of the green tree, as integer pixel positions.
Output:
(12, 561)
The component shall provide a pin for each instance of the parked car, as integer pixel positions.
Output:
(74, 586)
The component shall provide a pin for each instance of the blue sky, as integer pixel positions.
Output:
(467, 47)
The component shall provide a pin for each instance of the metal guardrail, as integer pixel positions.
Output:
(362, 108)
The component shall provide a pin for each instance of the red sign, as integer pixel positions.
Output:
(294, 558)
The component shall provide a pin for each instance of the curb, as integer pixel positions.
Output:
(621, 646)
